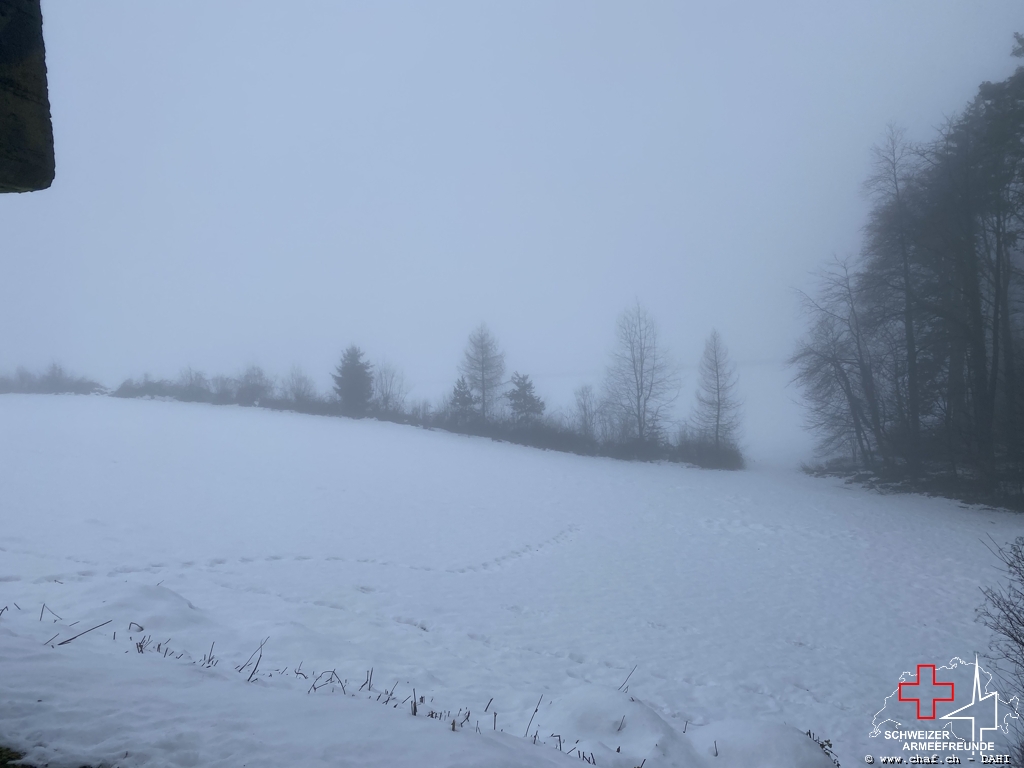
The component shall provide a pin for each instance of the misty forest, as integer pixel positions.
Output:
(609, 519)
(912, 364)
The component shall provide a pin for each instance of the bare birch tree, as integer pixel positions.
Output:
(299, 388)
(641, 383)
(585, 416)
(389, 388)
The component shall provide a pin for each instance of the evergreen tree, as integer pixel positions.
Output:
(463, 404)
(353, 382)
(524, 403)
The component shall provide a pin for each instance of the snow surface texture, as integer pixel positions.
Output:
(755, 605)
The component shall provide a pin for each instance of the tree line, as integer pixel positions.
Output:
(912, 365)
(630, 418)
(629, 415)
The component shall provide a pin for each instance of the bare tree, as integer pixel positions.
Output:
(717, 416)
(835, 409)
(585, 416)
(483, 365)
(389, 388)
(888, 247)
(421, 411)
(193, 385)
(254, 385)
(839, 357)
(641, 383)
(299, 388)
(613, 424)
(1003, 613)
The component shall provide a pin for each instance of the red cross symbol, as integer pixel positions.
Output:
(927, 691)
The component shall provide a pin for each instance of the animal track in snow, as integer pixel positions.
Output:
(523, 551)
(412, 623)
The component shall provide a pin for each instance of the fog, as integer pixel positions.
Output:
(250, 182)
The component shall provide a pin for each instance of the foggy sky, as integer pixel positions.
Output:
(267, 183)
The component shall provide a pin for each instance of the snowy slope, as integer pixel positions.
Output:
(755, 605)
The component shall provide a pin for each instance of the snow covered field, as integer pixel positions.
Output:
(754, 605)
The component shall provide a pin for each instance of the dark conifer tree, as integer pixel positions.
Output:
(463, 403)
(353, 382)
(523, 401)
